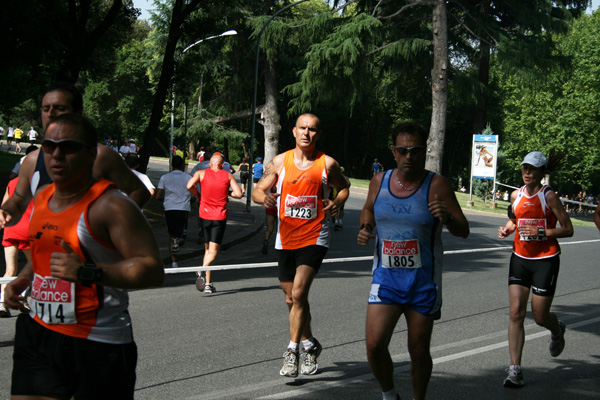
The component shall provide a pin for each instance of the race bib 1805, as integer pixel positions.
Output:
(303, 207)
(53, 300)
(401, 254)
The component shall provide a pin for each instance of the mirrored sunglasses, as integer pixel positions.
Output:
(66, 145)
(412, 150)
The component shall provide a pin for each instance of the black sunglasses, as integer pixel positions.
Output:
(66, 146)
(412, 150)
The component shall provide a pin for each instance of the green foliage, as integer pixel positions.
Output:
(119, 104)
(482, 188)
(561, 116)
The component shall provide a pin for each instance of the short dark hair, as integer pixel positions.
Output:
(310, 115)
(177, 162)
(88, 130)
(31, 148)
(410, 128)
(69, 88)
(132, 160)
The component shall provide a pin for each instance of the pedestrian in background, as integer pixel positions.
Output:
(18, 138)
(377, 167)
(257, 170)
(176, 204)
(244, 169)
(32, 135)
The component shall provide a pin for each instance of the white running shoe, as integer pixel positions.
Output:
(290, 364)
(514, 378)
(309, 364)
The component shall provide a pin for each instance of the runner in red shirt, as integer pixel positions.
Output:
(215, 183)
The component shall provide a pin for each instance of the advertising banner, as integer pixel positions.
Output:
(484, 156)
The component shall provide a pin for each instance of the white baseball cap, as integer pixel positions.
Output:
(536, 159)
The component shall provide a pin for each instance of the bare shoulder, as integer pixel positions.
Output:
(29, 163)
(440, 183)
(107, 160)
(278, 159)
(114, 203)
(331, 162)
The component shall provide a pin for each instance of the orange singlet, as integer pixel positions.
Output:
(302, 221)
(533, 210)
(97, 313)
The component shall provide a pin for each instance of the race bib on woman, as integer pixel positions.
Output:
(53, 300)
(401, 254)
(537, 223)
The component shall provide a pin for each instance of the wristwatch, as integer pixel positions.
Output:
(541, 232)
(89, 273)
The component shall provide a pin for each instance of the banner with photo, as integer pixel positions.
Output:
(484, 156)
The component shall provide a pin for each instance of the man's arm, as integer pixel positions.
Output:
(116, 220)
(236, 190)
(335, 177)
(195, 179)
(262, 191)
(443, 205)
(367, 215)
(597, 217)
(12, 292)
(13, 209)
(110, 165)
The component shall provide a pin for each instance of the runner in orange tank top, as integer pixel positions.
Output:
(535, 263)
(303, 177)
(89, 244)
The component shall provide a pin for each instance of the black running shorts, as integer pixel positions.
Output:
(539, 275)
(289, 260)
(176, 222)
(50, 363)
(213, 230)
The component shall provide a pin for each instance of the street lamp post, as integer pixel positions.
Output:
(226, 33)
(252, 127)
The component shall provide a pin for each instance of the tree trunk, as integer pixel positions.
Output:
(180, 11)
(270, 115)
(480, 112)
(439, 88)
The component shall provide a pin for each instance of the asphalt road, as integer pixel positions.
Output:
(228, 345)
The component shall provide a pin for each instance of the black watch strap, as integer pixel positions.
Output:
(541, 232)
(89, 273)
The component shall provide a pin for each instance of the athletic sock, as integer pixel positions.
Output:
(308, 343)
(293, 347)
